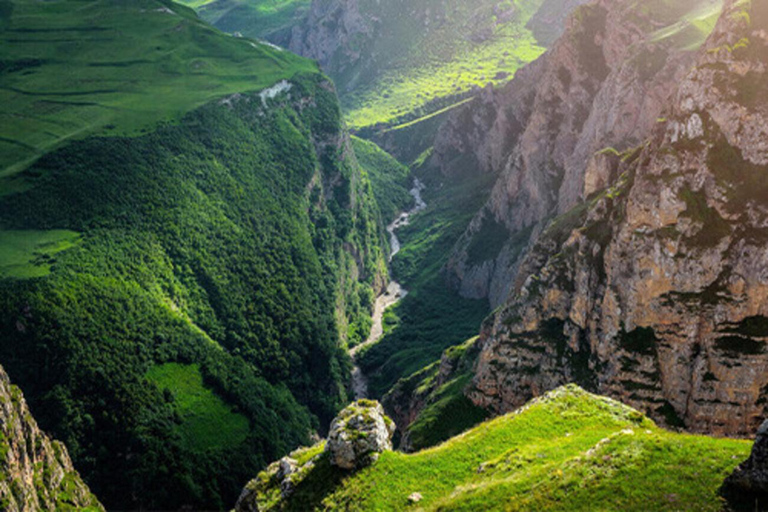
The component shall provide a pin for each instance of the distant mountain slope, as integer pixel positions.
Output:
(35, 472)
(566, 451)
(252, 18)
(188, 251)
(115, 69)
(653, 291)
(395, 61)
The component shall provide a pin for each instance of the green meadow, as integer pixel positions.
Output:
(114, 68)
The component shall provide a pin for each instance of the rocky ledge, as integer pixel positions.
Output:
(36, 473)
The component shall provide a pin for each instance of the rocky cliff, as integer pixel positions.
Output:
(654, 291)
(602, 85)
(35, 472)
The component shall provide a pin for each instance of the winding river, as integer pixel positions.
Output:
(392, 295)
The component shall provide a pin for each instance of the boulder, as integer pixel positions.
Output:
(747, 487)
(359, 434)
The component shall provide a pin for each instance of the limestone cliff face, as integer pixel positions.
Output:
(335, 34)
(655, 291)
(35, 472)
(603, 84)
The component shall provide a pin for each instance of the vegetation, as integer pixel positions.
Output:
(253, 18)
(432, 317)
(568, 450)
(206, 421)
(69, 70)
(431, 53)
(415, 58)
(447, 412)
(179, 275)
(390, 180)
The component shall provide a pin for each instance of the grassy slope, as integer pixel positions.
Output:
(253, 18)
(418, 64)
(197, 240)
(390, 180)
(208, 422)
(447, 411)
(419, 68)
(73, 68)
(567, 451)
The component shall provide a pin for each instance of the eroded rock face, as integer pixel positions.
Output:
(36, 473)
(747, 487)
(655, 291)
(359, 434)
(603, 84)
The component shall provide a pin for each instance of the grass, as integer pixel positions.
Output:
(207, 422)
(569, 450)
(29, 254)
(71, 69)
(390, 180)
(253, 18)
(446, 59)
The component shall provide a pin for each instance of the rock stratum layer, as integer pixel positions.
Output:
(36, 473)
(655, 291)
(603, 84)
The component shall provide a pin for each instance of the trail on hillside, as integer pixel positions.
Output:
(391, 296)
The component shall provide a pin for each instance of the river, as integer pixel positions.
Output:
(392, 295)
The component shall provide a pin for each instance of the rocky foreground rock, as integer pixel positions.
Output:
(747, 487)
(359, 434)
(36, 473)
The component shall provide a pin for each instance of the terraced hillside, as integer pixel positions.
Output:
(568, 450)
(187, 243)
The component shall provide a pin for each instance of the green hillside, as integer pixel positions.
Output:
(186, 242)
(73, 68)
(401, 60)
(569, 451)
(253, 18)
(431, 50)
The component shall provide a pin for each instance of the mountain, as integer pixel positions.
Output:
(188, 245)
(267, 19)
(651, 291)
(35, 472)
(602, 86)
(396, 62)
(567, 450)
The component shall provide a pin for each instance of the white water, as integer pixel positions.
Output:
(391, 296)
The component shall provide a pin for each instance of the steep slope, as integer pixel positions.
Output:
(177, 295)
(35, 472)
(399, 60)
(268, 19)
(602, 85)
(66, 73)
(568, 450)
(653, 291)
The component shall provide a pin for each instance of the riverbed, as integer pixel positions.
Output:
(392, 295)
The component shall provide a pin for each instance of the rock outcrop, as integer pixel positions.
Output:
(603, 84)
(655, 291)
(35, 472)
(747, 487)
(359, 434)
